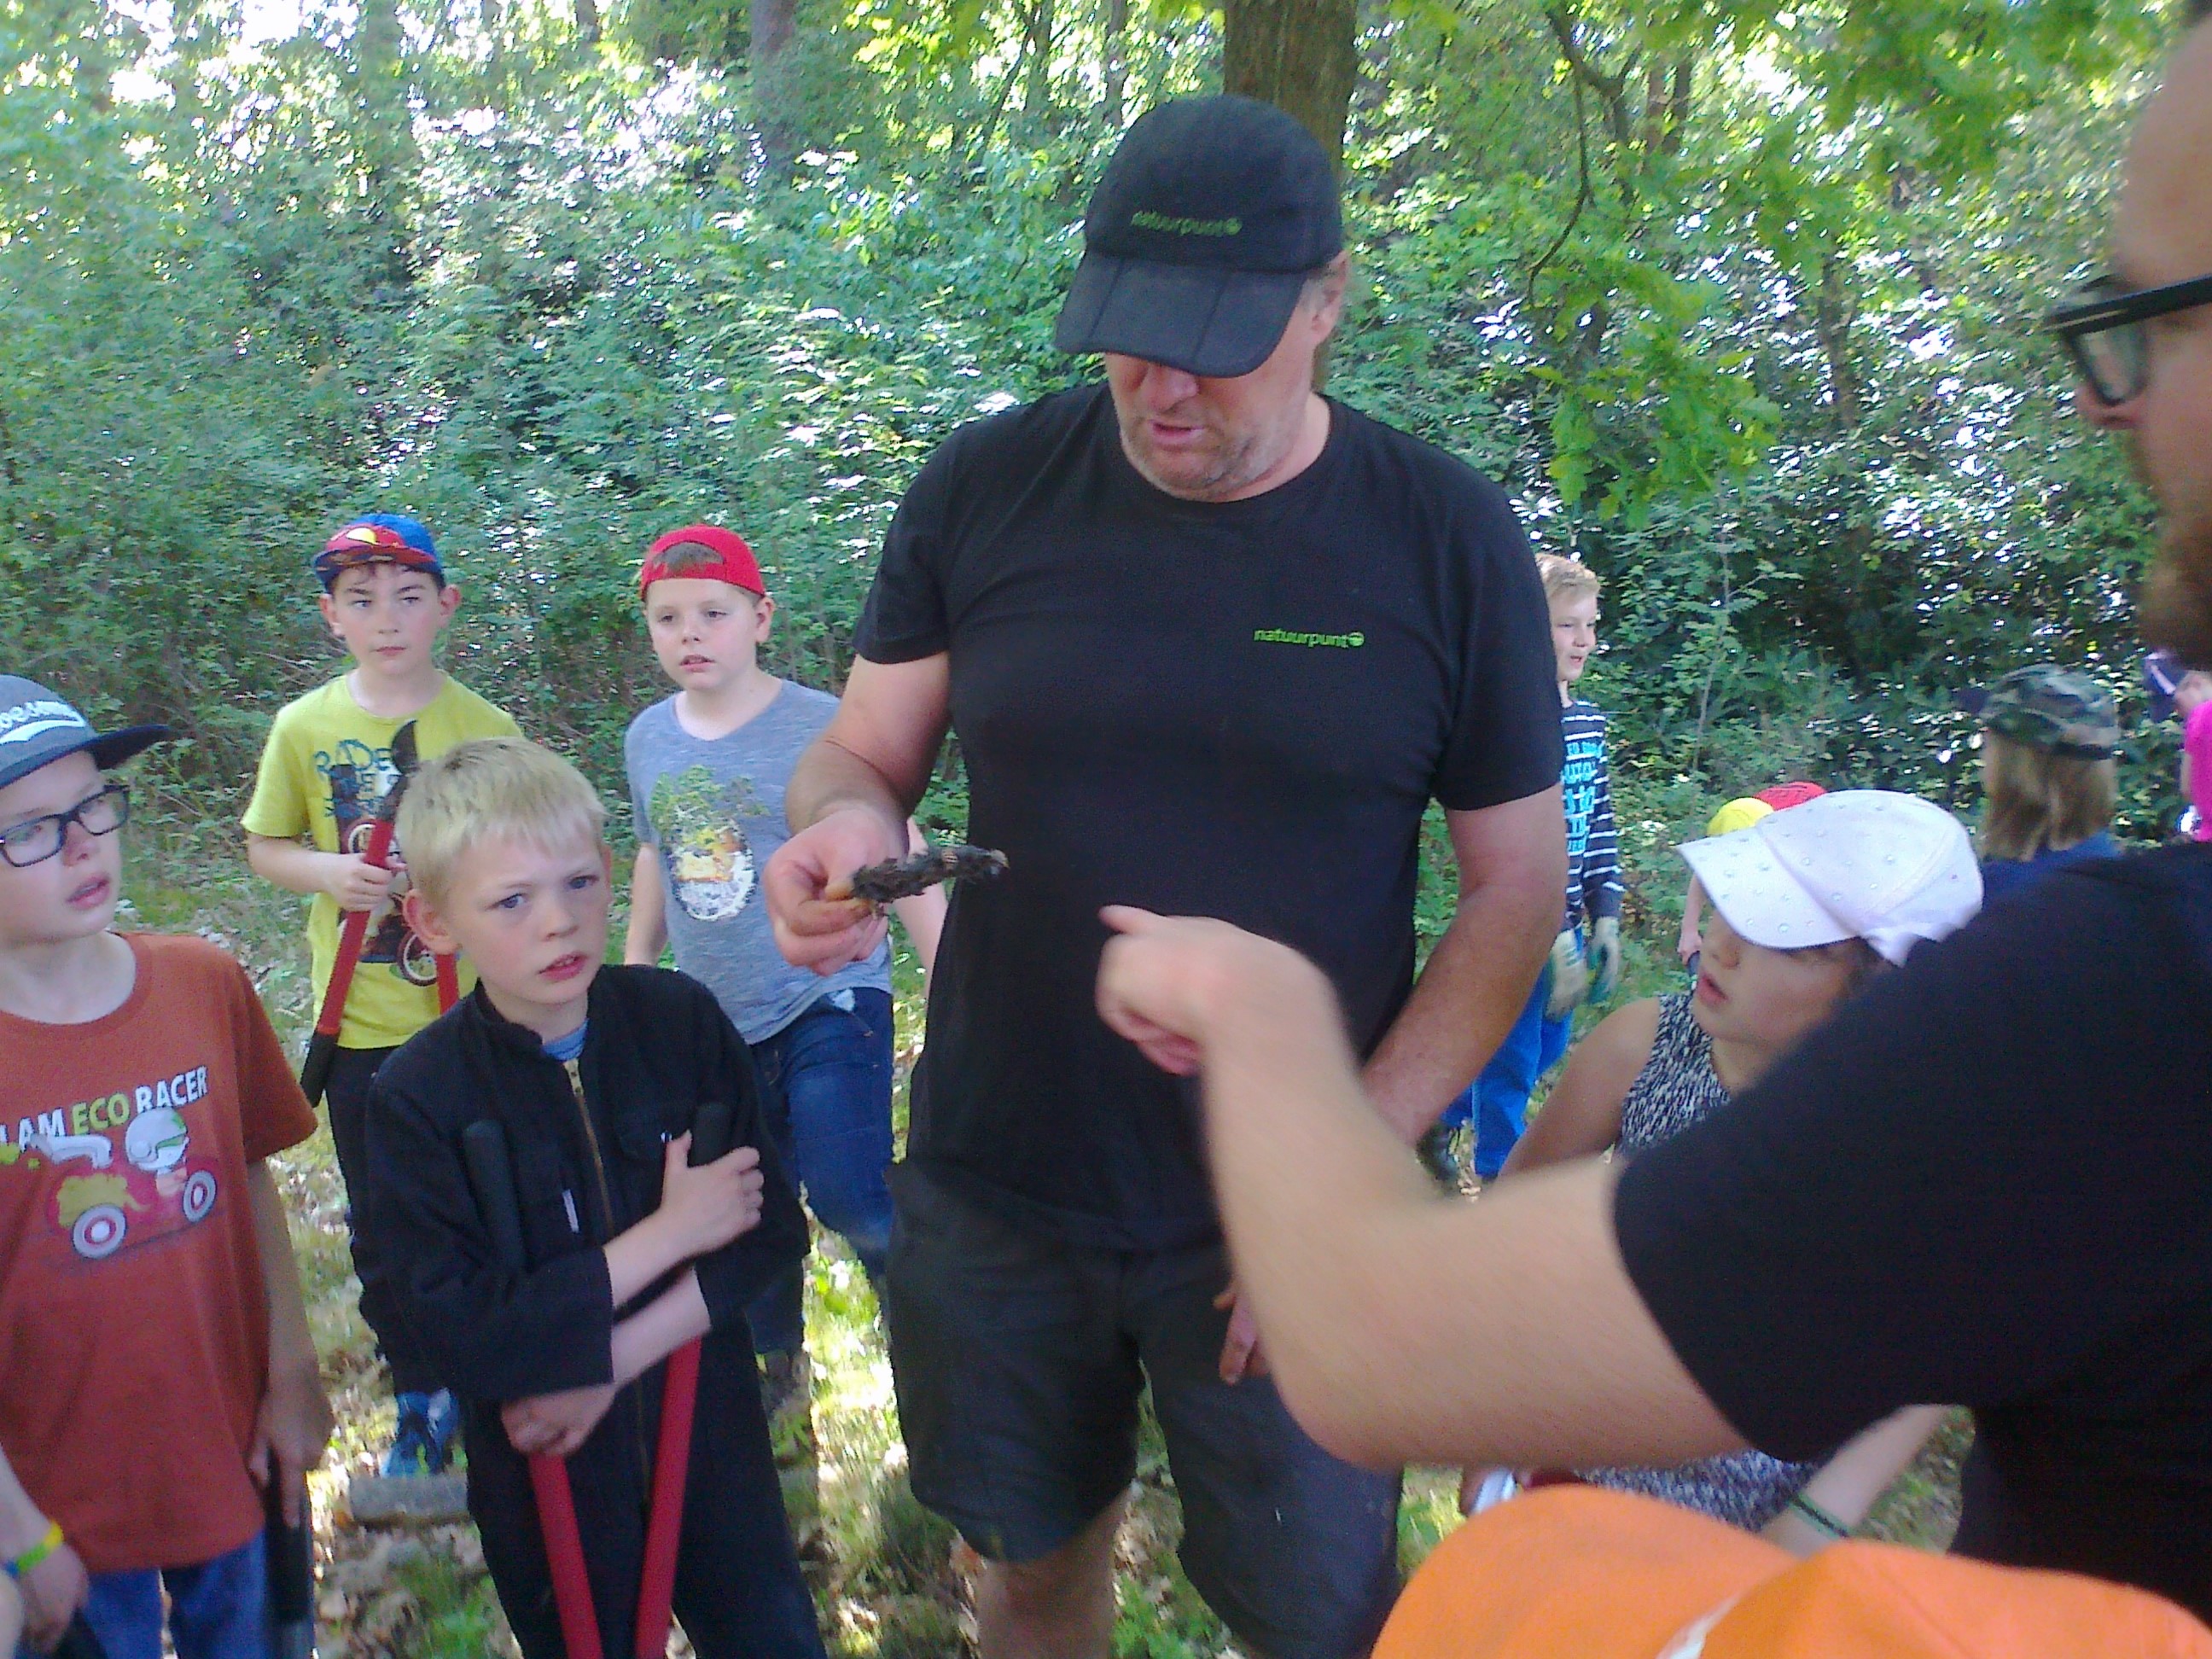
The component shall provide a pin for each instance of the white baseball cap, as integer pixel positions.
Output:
(1890, 869)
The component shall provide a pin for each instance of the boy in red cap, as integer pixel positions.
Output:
(324, 772)
(706, 770)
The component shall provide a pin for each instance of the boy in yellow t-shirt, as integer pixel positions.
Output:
(326, 767)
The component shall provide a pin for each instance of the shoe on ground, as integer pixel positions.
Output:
(423, 1441)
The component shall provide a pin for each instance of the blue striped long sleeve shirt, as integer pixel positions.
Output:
(1594, 887)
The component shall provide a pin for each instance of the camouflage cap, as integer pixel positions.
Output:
(2047, 707)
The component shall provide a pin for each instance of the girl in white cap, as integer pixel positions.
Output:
(1808, 905)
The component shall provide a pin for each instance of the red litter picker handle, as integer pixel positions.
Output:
(352, 936)
(712, 1129)
(491, 1182)
(353, 933)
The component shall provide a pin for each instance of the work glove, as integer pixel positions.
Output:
(1604, 957)
(1570, 976)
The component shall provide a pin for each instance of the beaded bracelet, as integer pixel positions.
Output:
(1819, 1519)
(38, 1551)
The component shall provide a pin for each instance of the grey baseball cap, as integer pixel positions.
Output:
(38, 728)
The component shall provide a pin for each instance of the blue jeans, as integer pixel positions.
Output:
(826, 1096)
(1498, 1101)
(218, 1610)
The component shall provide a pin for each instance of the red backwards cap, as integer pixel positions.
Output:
(736, 566)
(1783, 796)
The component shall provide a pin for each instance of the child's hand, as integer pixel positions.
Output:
(292, 1429)
(53, 1593)
(356, 883)
(705, 1208)
(1570, 976)
(555, 1425)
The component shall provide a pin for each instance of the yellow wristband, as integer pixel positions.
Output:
(38, 1551)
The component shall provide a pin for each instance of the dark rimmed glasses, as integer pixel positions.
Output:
(36, 840)
(2102, 330)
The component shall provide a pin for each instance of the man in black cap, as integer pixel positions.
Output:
(1210, 641)
(1986, 1181)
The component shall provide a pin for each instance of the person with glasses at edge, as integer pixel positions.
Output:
(158, 1384)
(1988, 1182)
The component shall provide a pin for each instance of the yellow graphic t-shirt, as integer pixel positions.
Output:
(326, 767)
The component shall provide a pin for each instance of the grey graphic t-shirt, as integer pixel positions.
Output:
(714, 812)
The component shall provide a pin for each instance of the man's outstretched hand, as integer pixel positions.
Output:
(1172, 984)
(812, 929)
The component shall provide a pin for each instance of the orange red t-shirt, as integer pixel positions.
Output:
(134, 1329)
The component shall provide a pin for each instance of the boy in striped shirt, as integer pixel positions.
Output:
(1585, 958)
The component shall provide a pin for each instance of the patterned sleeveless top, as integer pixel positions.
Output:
(1676, 1087)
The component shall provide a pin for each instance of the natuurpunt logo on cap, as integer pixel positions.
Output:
(1145, 219)
(1325, 642)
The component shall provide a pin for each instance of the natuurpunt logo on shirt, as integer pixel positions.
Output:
(1325, 642)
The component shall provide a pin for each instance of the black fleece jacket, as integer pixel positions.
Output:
(657, 1048)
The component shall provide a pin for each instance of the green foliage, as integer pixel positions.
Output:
(1728, 301)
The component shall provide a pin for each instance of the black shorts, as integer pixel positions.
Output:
(1020, 1360)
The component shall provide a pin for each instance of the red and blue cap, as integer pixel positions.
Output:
(378, 538)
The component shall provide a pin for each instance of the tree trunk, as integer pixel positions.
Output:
(587, 23)
(1036, 89)
(1298, 54)
(385, 136)
(1117, 71)
(492, 19)
(1833, 312)
(95, 58)
(772, 24)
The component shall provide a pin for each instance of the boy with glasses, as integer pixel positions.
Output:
(159, 1375)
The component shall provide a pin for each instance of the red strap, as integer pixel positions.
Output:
(449, 982)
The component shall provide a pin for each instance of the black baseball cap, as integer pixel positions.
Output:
(38, 728)
(1210, 217)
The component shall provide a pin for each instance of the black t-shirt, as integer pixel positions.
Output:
(1237, 710)
(1987, 1183)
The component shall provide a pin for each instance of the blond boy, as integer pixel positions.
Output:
(594, 1076)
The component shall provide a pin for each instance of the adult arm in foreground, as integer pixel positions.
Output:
(1512, 871)
(1551, 1357)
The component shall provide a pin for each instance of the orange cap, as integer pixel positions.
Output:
(1578, 1572)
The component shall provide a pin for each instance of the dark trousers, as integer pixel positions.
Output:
(1020, 1360)
(347, 1094)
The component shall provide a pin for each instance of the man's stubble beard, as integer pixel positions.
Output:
(1233, 468)
(2177, 600)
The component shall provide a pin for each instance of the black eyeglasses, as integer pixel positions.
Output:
(36, 840)
(2102, 329)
